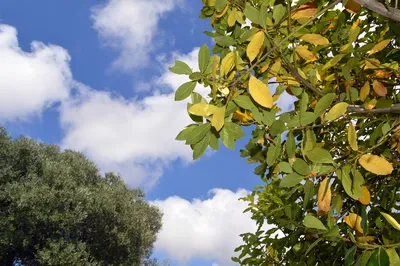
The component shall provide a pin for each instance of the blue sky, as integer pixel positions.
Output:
(92, 76)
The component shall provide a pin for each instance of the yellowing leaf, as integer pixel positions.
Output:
(337, 111)
(354, 222)
(276, 66)
(302, 51)
(376, 164)
(391, 220)
(370, 104)
(254, 47)
(202, 109)
(315, 39)
(260, 92)
(218, 15)
(352, 137)
(245, 117)
(228, 63)
(352, 6)
(324, 199)
(218, 118)
(305, 11)
(382, 74)
(364, 92)
(371, 63)
(232, 18)
(380, 46)
(215, 65)
(366, 198)
(379, 88)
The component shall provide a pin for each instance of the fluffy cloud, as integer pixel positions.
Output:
(135, 137)
(207, 229)
(30, 81)
(129, 26)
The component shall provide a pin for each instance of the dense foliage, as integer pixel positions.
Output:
(56, 209)
(330, 164)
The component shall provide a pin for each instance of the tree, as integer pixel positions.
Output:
(330, 164)
(56, 209)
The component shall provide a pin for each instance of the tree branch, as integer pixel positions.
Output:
(389, 12)
(360, 110)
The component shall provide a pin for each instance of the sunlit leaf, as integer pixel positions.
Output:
(379, 88)
(324, 196)
(379, 47)
(352, 137)
(391, 220)
(336, 111)
(376, 164)
(315, 39)
(354, 221)
(260, 92)
(254, 47)
(218, 118)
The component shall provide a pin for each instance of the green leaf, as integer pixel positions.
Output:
(227, 138)
(313, 245)
(245, 102)
(313, 222)
(184, 133)
(324, 103)
(214, 141)
(231, 108)
(310, 140)
(268, 117)
(291, 180)
(379, 258)
(204, 58)
(333, 232)
(198, 133)
(235, 130)
(225, 41)
(220, 5)
(349, 257)
(285, 167)
(365, 257)
(252, 13)
(195, 76)
(277, 128)
(307, 118)
(200, 147)
(393, 256)
(180, 68)
(319, 155)
(263, 16)
(197, 98)
(184, 90)
(278, 12)
(290, 145)
(344, 176)
(301, 167)
(309, 191)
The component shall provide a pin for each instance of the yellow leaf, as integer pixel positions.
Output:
(254, 47)
(302, 51)
(364, 92)
(376, 164)
(265, 67)
(228, 63)
(352, 6)
(215, 65)
(370, 104)
(345, 49)
(260, 92)
(354, 222)
(315, 39)
(379, 88)
(352, 137)
(276, 66)
(202, 109)
(218, 118)
(232, 18)
(336, 111)
(391, 220)
(305, 11)
(366, 198)
(380, 46)
(245, 117)
(324, 199)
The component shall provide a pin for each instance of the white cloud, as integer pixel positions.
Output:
(207, 229)
(30, 81)
(129, 26)
(135, 137)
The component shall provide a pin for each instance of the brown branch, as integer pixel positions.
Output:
(360, 110)
(381, 9)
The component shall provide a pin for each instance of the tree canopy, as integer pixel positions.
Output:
(57, 209)
(330, 163)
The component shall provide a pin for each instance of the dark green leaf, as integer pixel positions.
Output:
(308, 193)
(324, 103)
(204, 57)
(290, 145)
(349, 257)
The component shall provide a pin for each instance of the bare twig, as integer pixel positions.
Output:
(360, 110)
(381, 9)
